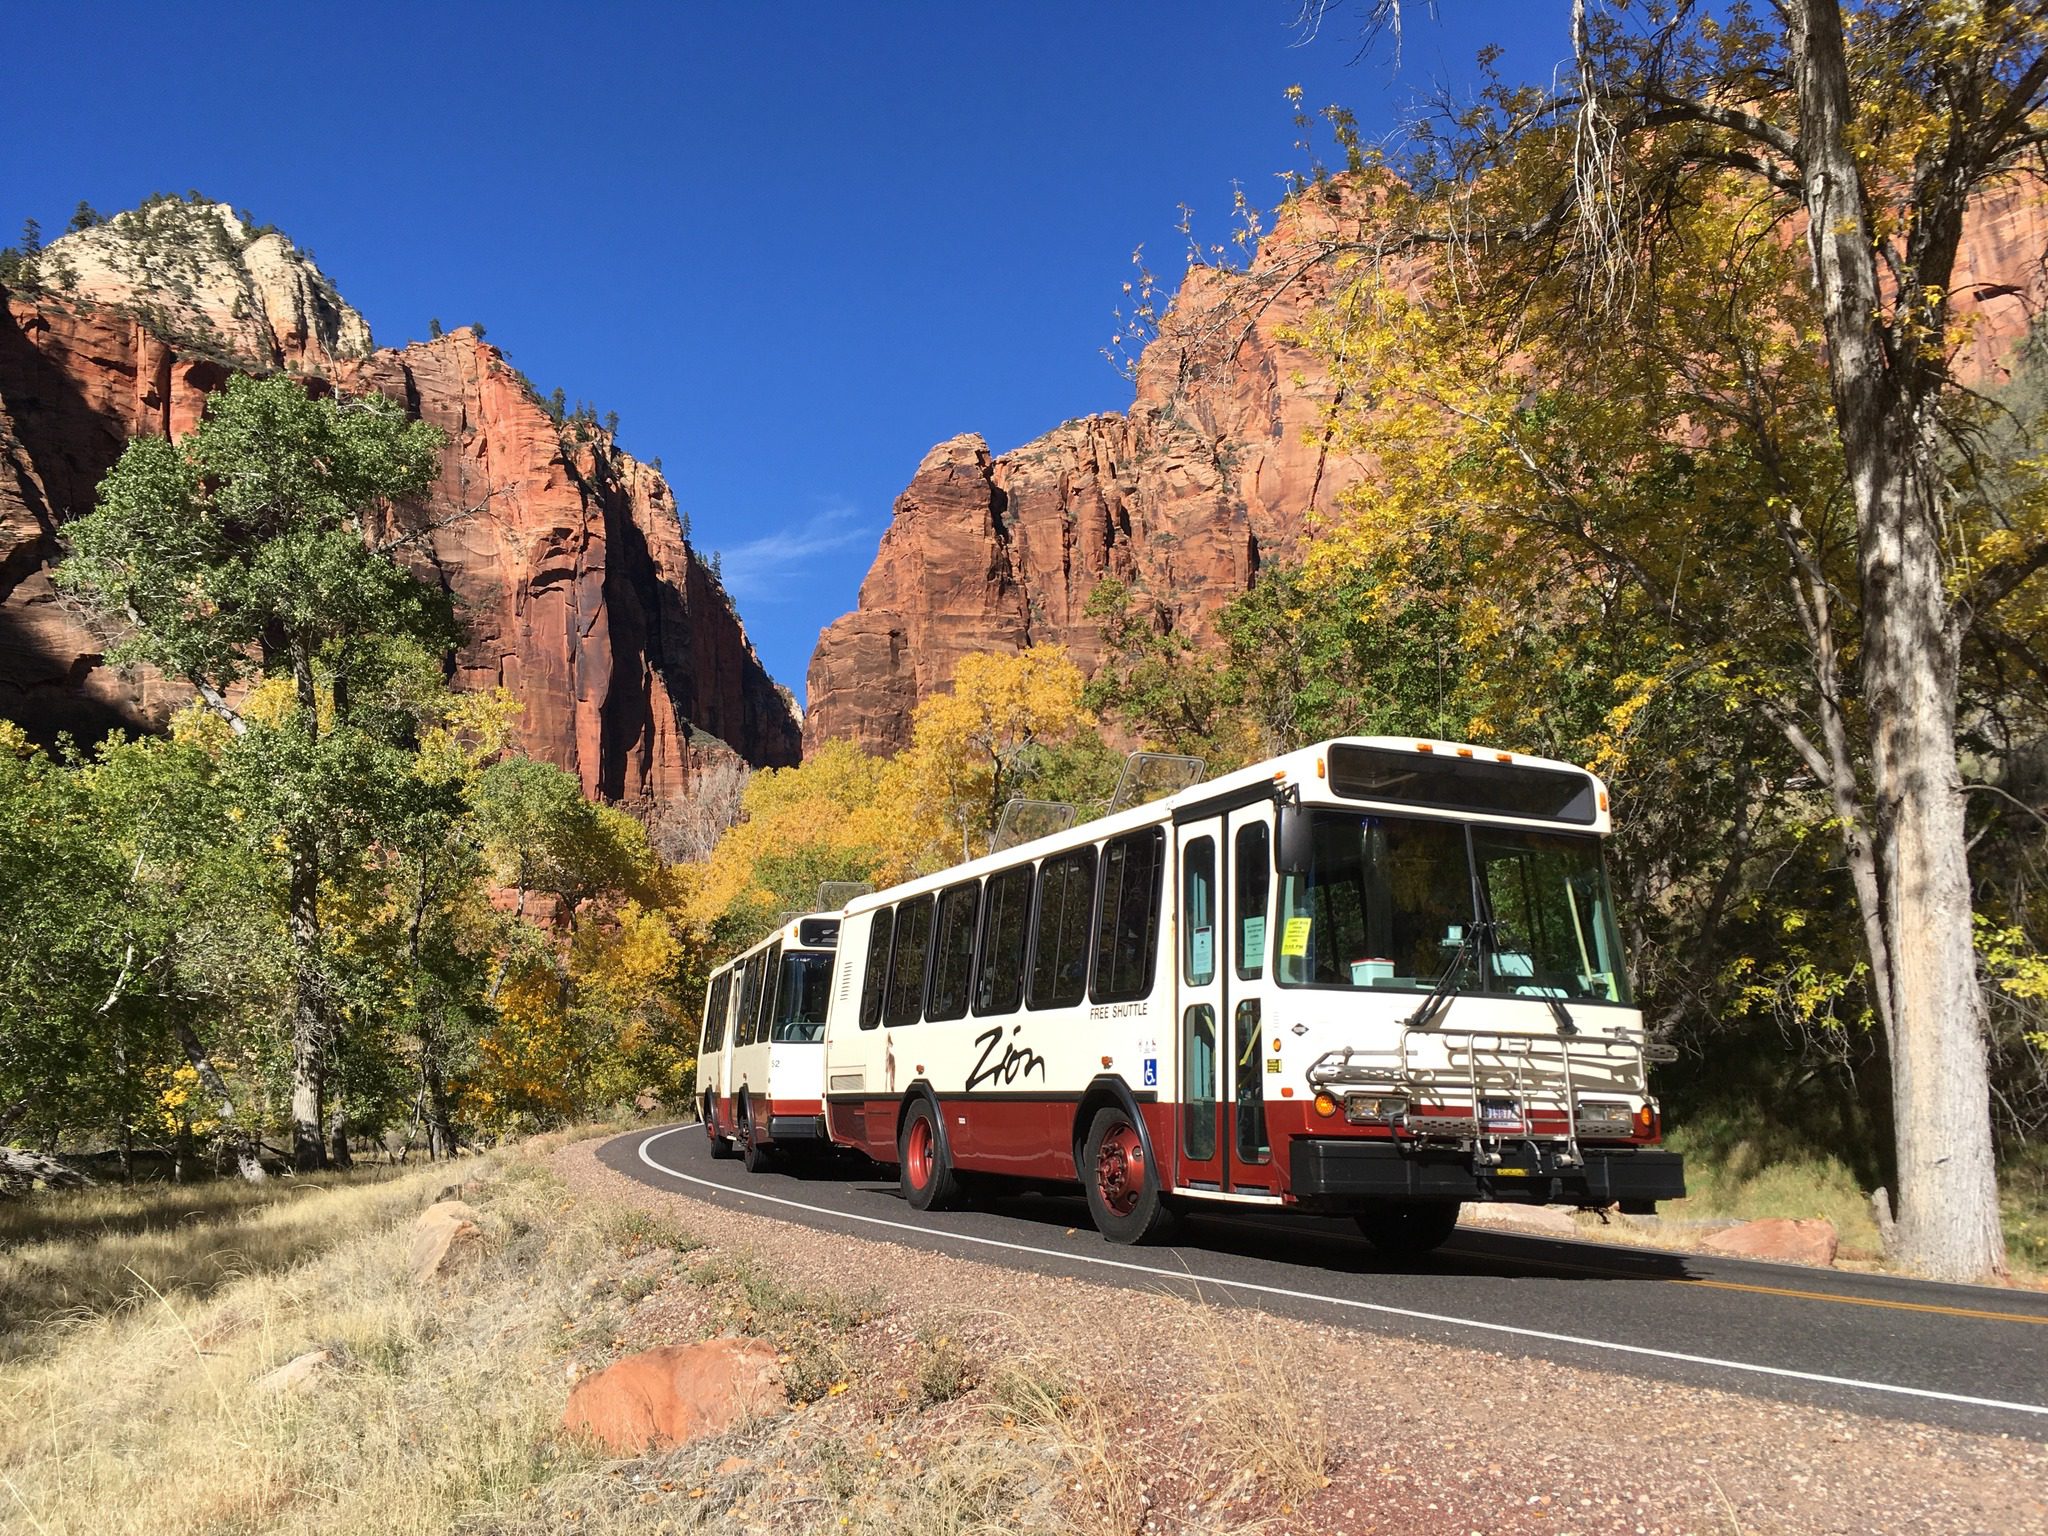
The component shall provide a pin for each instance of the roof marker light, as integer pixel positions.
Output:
(1503, 757)
(1423, 746)
(1464, 751)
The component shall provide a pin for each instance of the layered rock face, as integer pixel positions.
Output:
(199, 274)
(1217, 468)
(564, 554)
(1211, 474)
(567, 562)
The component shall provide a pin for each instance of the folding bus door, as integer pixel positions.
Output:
(1200, 936)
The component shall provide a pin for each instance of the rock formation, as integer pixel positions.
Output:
(565, 554)
(1209, 475)
(567, 562)
(198, 273)
(1214, 471)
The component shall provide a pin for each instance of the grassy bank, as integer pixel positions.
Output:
(138, 1325)
(1742, 1169)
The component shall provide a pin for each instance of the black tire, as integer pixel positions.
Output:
(1122, 1184)
(925, 1172)
(756, 1155)
(1407, 1229)
(721, 1146)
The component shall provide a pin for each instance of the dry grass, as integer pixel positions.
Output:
(141, 1419)
(134, 1413)
(82, 1253)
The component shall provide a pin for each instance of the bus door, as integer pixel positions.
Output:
(1250, 1060)
(1221, 1140)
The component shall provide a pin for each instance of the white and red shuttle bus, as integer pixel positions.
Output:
(760, 1056)
(1373, 977)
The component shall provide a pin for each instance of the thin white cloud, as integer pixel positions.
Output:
(771, 569)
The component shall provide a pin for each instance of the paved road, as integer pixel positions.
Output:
(1969, 1357)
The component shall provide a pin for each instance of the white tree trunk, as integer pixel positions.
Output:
(1948, 1189)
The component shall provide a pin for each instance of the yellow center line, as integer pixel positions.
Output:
(1800, 1295)
(1791, 1292)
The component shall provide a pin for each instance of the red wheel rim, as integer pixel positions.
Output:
(917, 1155)
(1120, 1168)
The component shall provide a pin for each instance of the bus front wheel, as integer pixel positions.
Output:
(720, 1146)
(929, 1182)
(758, 1158)
(1122, 1184)
(1407, 1229)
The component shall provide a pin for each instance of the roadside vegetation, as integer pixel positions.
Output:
(332, 910)
(136, 1331)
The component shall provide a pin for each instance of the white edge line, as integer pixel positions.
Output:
(1258, 1288)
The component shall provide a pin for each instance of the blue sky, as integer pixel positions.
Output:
(793, 246)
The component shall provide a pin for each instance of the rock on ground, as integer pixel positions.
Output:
(663, 1398)
(296, 1374)
(1798, 1242)
(448, 1235)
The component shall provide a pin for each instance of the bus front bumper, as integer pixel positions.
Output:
(1341, 1175)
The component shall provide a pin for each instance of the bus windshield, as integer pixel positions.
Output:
(800, 997)
(1388, 903)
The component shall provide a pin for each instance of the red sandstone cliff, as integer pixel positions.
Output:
(1214, 471)
(572, 576)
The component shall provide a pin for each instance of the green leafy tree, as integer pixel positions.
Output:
(248, 551)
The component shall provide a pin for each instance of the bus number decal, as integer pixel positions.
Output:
(1017, 1060)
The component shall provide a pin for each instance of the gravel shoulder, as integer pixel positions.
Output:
(1214, 1418)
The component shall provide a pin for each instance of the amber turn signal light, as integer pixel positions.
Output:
(1325, 1105)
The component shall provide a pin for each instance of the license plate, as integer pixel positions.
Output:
(1500, 1115)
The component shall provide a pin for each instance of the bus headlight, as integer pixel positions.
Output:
(1373, 1108)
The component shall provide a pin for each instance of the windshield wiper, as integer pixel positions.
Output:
(1443, 987)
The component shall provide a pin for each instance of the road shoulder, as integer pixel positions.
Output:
(1213, 1400)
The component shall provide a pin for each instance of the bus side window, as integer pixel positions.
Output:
(879, 935)
(1254, 870)
(1059, 951)
(953, 951)
(714, 1013)
(1127, 924)
(906, 967)
(750, 1004)
(764, 1010)
(1005, 926)
(1198, 913)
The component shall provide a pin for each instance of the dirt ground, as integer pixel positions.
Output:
(1179, 1416)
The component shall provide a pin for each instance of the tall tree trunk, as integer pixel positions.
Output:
(240, 1145)
(302, 925)
(1949, 1225)
(440, 1121)
(340, 1157)
(308, 1014)
(1948, 1219)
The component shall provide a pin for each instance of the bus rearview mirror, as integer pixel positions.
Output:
(1292, 842)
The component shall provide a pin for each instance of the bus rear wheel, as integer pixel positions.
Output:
(1122, 1184)
(1407, 1229)
(929, 1182)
